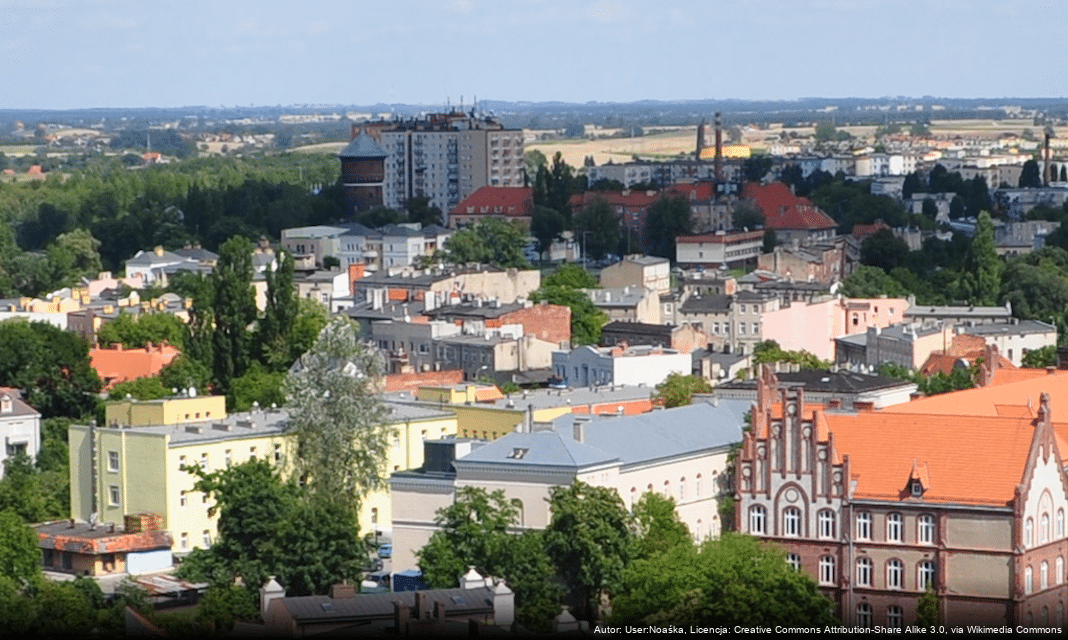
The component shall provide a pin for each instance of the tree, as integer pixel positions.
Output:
(474, 531)
(420, 211)
(51, 365)
(756, 168)
(586, 318)
(677, 389)
(184, 372)
(1031, 175)
(984, 264)
(272, 336)
(136, 332)
(74, 255)
(257, 387)
(589, 540)
(927, 608)
(271, 527)
(339, 421)
(598, 228)
(668, 219)
(658, 527)
(1040, 358)
(491, 241)
(884, 250)
(546, 224)
(747, 215)
(378, 217)
(929, 208)
(570, 275)
(20, 558)
(871, 282)
(234, 311)
(736, 580)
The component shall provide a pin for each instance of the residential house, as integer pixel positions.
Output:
(712, 250)
(733, 323)
(90, 549)
(833, 389)
(627, 304)
(1016, 338)
(548, 322)
(114, 364)
(814, 326)
(20, 426)
(153, 266)
(684, 338)
(621, 364)
(789, 216)
(514, 204)
(638, 271)
(139, 461)
(906, 344)
(968, 315)
(680, 453)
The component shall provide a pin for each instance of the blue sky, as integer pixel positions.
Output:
(123, 53)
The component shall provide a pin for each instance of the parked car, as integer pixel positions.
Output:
(385, 550)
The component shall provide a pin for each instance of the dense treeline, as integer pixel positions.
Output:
(203, 201)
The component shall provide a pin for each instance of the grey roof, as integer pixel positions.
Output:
(19, 408)
(197, 253)
(400, 230)
(1019, 327)
(645, 260)
(469, 309)
(380, 606)
(435, 230)
(623, 297)
(705, 304)
(629, 440)
(363, 146)
(957, 311)
(824, 381)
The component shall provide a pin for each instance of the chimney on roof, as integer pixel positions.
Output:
(579, 428)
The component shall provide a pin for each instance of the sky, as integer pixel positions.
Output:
(166, 53)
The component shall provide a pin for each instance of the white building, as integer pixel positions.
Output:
(20, 426)
(621, 364)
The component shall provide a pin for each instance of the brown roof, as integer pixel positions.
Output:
(517, 202)
(614, 198)
(81, 538)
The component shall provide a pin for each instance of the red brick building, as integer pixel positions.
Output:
(791, 217)
(504, 203)
(966, 492)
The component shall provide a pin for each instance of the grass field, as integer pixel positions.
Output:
(18, 149)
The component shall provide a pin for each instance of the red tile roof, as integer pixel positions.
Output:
(985, 401)
(700, 191)
(862, 231)
(515, 202)
(783, 210)
(965, 459)
(614, 198)
(115, 364)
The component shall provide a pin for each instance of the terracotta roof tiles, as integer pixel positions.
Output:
(783, 210)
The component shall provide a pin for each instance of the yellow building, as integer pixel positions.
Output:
(117, 470)
(176, 410)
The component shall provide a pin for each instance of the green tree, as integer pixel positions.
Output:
(871, 282)
(73, 256)
(420, 211)
(234, 311)
(258, 387)
(736, 580)
(747, 215)
(884, 250)
(339, 421)
(755, 169)
(280, 313)
(658, 527)
(378, 217)
(589, 540)
(271, 527)
(1031, 175)
(20, 558)
(475, 531)
(598, 228)
(151, 388)
(491, 241)
(586, 318)
(677, 390)
(546, 225)
(570, 275)
(668, 219)
(51, 365)
(1040, 358)
(136, 332)
(984, 264)
(184, 372)
(927, 608)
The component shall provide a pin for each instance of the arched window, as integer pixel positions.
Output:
(863, 572)
(1029, 578)
(895, 618)
(756, 520)
(864, 525)
(1043, 528)
(827, 570)
(864, 615)
(925, 526)
(697, 486)
(791, 521)
(925, 574)
(894, 574)
(794, 561)
(1060, 523)
(1059, 577)
(826, 521)
(893, 527)
(682, 489)
(1043, 575)
(1029, 532)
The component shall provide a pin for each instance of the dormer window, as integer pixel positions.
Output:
(518, 453)
(6, 405)
(917, 489)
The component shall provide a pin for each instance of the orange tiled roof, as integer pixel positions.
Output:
(984, 401)
(115, 364)
(783, 210)
(488, 394)
(965, 459)
(700, 191)
(1015, 374)
(614, 198)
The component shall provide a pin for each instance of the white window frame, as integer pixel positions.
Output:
(757, 519)
(864, 570)
(1043, 575)
(113, 461)
(864, 525)
(826, 574)
(864, 615)
(794, 561)
(826, 524)
(114, 496)
(895, 617)
(925, 527)
(925, 572)
(895, 574)
(791, 522)
(894, 527)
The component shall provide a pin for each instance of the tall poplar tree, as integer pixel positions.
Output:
(984, 263)
(235, 311)
(276, 325)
